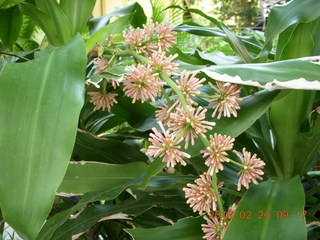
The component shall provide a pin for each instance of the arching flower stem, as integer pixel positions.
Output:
(175, 88)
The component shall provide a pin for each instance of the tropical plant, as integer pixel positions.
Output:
(125, 136)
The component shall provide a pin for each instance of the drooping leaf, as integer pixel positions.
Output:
(139, 18)
(92, 215)
(235, 42)
(115, 27)
(184, 229)
(289, 74)
(91, 148)
(154, 168)
(84, 177)
(40, 105)
(57, 220)
(270, 210)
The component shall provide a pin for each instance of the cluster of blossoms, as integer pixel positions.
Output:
(181, 121)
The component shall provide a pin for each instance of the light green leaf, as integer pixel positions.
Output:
(154, 168)
(84, 177)
(261, 213)
(115, 27)
(184, 229)
(294, 12)
(40, 102)
(78, 12)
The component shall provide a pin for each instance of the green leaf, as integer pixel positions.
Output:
(294, 12)
(133, 207)
(57, 220)
(184, 229)
(302, 37)
(115, 27)
(60, 19)
(306, 148)
(139, 18)
(40, 102)
(139, 115)
(289, 74)
(84, 177)
(251, 109)
(252, 44)
(10, 26)
(92, 148)
(78, 12)
(154, 168)
(235, 42)
(44, 21)
(261, 213)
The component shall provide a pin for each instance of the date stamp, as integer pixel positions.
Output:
(258, 214)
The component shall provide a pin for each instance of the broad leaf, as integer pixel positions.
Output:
(289, 74)
(78, 12)
(84, 177)
(270, 210)
(184, 229)
(294, 12)
(40, 102)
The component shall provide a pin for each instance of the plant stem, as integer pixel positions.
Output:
(166, 96)
(175, 88)
(208, 96)
(236, 163)
(180, 134)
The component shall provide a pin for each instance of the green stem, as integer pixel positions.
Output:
(206, 143)
(166, 96)
(104, 86)
(236, 163)
(180, 134)
(216, 192)
(208, 96)
(175, 88)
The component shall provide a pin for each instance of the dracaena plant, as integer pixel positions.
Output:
(170, 145)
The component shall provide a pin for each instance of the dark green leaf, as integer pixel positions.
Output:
(252, 108)
(10, 26)
(40, 105)
(96, 213)
(84, 177)
(57, 220)
(91, 148)
(139, 115)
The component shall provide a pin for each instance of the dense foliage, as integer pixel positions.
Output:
(110, 129)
